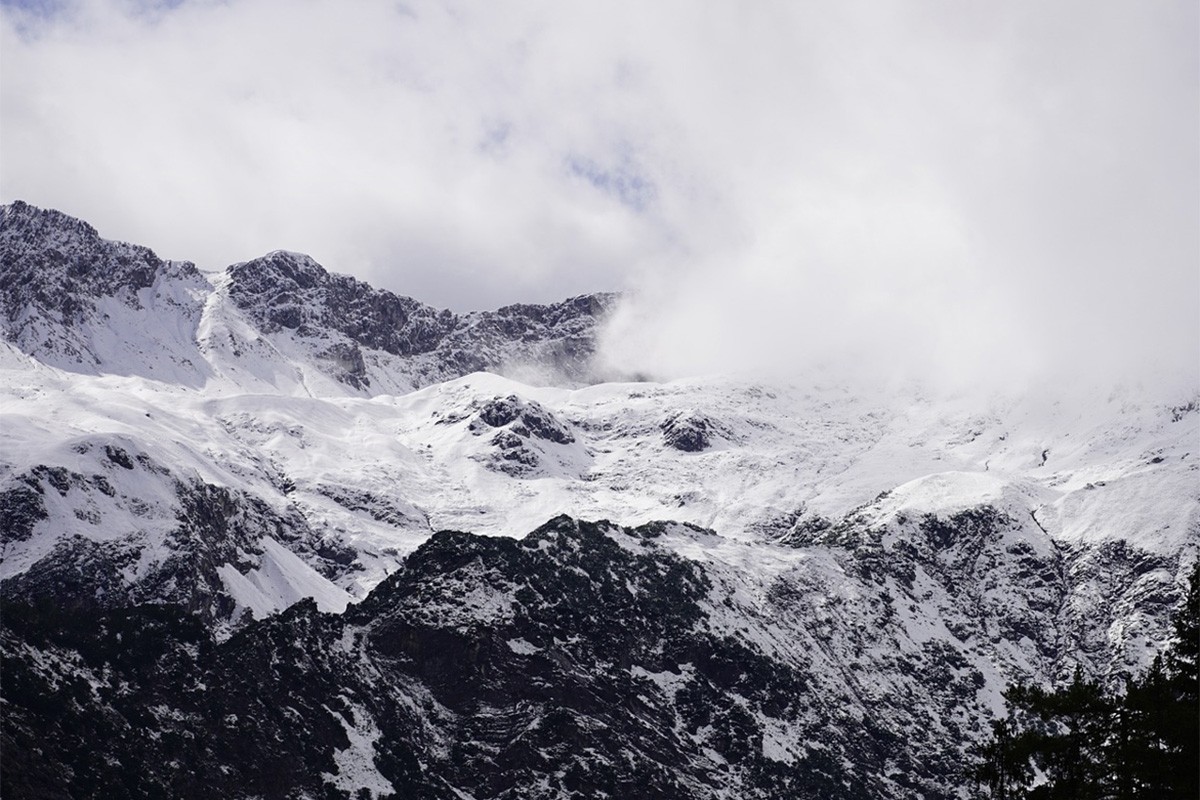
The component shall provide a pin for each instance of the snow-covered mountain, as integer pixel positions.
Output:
(277, 324)
(797, 590)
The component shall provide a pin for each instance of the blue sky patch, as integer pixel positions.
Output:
(622, 181)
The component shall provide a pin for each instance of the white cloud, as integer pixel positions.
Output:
(961, 190)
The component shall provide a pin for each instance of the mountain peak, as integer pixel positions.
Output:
(62, 286)
(63, 254)
(281, 266)
(19, 217)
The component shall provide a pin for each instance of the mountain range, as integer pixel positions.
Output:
(275, 533)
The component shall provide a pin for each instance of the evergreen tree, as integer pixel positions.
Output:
(1088, 743)
(1066, 731)
(1146, 758)
(1177, 720)
(1003, 762)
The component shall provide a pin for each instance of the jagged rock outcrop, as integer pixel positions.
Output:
(130, 531)
(520, 432)
(290, 292)
(68, 297)
(86, 304)
(54, 264)
(689, 431)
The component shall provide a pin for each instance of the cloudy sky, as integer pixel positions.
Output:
(966, 190)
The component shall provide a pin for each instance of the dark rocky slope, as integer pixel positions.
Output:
(585, 660)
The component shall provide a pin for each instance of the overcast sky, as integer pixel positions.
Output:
(961, 189)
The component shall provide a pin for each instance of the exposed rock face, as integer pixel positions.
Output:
(585, 659)
(54, 263)
(520, 432)
(291, 292)
(177, 534)
(553, 340)
(525, 418)
(86, 304)
(689, 432)
(21, 508)
(59, 281)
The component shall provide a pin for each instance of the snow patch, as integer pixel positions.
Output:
(280, 580)
(356, 768)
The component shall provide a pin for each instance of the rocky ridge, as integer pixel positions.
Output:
(351, 325)
(84, 304)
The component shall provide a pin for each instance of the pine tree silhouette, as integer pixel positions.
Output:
(1085, 742)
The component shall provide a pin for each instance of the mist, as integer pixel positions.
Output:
(1001, 195)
